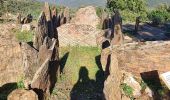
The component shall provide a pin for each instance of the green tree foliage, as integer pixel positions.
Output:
(160, 15)
(21, 6)
(132, 5)
(130, 9)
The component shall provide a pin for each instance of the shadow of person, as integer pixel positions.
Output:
(84, 88)
(63, 61)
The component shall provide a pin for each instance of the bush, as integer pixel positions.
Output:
(130, 9)
(25, 36)
(159, 16)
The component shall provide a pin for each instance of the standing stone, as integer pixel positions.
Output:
(27, 19)
(105, 59)
(44, 76)
(118, 36)
(66, 15)
(137, 24)
(61, 18)
(112, 84)
(19, 18)
(42, 31)
(48, 15)
(30, 64)
(107, 23)
(118, 19)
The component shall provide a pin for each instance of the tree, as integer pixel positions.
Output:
(132, 5)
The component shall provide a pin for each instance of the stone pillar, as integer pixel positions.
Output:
(19, 18)
(138, 20)
(112, 89)
(118, 36)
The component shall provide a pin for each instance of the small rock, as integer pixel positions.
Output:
(26, 27)
(149, 92)
(20, 94)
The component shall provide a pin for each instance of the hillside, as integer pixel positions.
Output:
(154, 3)
(79, 3)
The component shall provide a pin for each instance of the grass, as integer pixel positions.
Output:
(79, 57)
(25, 36)
(127, 90)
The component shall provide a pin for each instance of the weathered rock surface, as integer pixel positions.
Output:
(29, 62)
(86, 16)
(112, 84)
(130, 81)
(73, 34)
(26, 27)
(20, 94)
(11, 57)
(42, 31)
(105, 59)
(144, 57)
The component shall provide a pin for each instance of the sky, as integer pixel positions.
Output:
(78, 3)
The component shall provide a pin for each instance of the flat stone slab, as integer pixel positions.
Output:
(166, 78)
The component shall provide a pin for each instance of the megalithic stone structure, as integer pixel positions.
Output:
(112, 89)
(48, 15)
(138, 20)
(45, 58)
(42, 78)
(19, 18)
(66, 15)
(42, 31)
(118, 36)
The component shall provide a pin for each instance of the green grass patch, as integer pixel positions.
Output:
(25, 36)
(127, 90)
(78, 57)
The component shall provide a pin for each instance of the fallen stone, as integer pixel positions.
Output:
(20, 94)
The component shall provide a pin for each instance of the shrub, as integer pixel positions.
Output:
(25, 36)
(159, 16)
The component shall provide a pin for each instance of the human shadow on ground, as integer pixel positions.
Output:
(6, 89)
(63, 61)
(152, 80)
(86, 88)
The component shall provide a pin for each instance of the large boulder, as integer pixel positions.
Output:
(11, 56)
(86, 16)
(73, 34)
(20, 94)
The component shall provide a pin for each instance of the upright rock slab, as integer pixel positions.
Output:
(42, 31)
(48, 15)
(112, 84)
